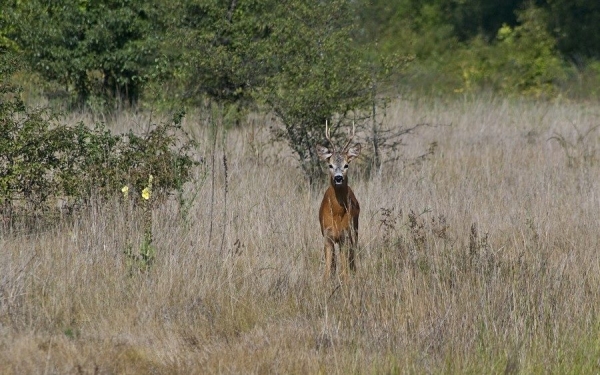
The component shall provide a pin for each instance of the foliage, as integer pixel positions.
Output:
(43, 161)
(222, 44)
(28, 152)
(6, 27)
(321, 76)
(575, 26)
(96, 50)
(572, 25)
(523, 60)
(164, 151)
(298, 59)
(468, 45)
(291, 54)
(531, 62)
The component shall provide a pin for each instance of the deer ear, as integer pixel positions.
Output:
(353, 152)
(323, 152)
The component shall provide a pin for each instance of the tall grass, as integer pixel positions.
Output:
(482, 259)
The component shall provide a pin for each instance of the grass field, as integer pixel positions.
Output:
(483, 258)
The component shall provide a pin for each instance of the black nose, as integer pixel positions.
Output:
(338, 179)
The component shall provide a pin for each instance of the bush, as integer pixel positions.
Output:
(532, 64)
(43, 161)
(523, 59)
(28, 153)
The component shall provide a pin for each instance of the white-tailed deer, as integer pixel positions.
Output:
(339, 210)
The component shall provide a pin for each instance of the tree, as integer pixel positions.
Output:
(529, 59)
(103, 49)
(471, 18)
(216, 48)
(6, 26)
(298, 59)
(321, 75)
(575, 23)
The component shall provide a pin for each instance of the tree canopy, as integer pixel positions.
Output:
(304, 61)
(228, 51)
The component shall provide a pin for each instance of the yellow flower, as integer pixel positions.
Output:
(125, 190)
(146, 193)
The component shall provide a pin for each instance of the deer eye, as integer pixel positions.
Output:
(346, 166)
(331, 166)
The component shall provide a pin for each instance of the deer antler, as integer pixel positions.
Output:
(351, 137)
(328, 135)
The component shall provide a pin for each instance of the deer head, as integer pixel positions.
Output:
(338, 161)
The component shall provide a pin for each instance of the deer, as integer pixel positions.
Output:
(339, 210)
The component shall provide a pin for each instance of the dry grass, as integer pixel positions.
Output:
(482, 259)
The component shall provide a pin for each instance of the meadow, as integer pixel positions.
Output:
(479, 258)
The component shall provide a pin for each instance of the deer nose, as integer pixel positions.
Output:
(338, 179)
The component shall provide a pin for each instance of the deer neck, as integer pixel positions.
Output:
(341, 191)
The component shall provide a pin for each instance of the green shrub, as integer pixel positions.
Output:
(98, 51)
(523, 60)
(43, 161)
(28, 153)
(531, 63)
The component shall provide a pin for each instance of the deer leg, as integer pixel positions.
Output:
(352, 259)
(344, 258)
(351, 251)
(329, 258)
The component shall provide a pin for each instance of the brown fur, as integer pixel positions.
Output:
(339, 211)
